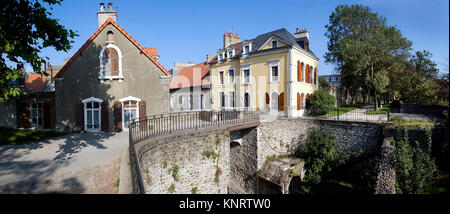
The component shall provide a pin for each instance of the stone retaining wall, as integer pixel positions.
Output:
(283, 136)
(202, 158)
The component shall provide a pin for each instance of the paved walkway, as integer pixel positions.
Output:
(74, 163)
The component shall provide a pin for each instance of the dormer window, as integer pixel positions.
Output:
(230, 54)
(275, 44)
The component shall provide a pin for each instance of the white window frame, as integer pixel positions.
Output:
(234, 76)
(218, 77)
(102, 77)
(202, 101)
(271, 43)
(224, 104)
(271, 99)
(249, 45)
(272, 64)
(89, 100)
(229, 99)
(246, 67)
(41, 109)
(232, 53)
(127, 99)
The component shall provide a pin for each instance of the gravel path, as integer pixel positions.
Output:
(74, 163)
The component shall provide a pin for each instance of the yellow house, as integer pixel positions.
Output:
(275, 72)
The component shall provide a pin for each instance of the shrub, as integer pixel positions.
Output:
(320, 102)
(413, 167)
(319, 152)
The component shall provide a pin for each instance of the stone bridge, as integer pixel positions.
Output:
(229, 151)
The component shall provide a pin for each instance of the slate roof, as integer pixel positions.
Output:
(260, 40)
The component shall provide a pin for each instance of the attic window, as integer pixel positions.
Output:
(275, 44)
(110, 37)
(230, 53)
(246, 49)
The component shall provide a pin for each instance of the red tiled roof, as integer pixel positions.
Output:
(37, 82)
(111, 21)
(152, 51)
(191, 76)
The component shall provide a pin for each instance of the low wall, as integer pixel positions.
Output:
(201, 156)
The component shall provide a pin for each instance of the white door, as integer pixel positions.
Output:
(274, 102)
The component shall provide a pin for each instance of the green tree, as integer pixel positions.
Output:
(364, 48)
(25, 28)
(320, 102)
(319, 153)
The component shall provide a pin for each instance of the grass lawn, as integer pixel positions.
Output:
(382, 110)
(397, 121)
(345, 109)
(16, 137)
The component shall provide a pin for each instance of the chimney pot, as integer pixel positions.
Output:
(102, 6)
(110, 6)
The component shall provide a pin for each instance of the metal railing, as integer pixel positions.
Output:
(144, 128)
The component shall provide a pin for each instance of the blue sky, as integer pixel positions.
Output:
(185, 31)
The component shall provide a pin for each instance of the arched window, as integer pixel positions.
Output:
(274, 101)
(111, 62)
(110, 37)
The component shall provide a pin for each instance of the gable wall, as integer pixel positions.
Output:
(142, 79)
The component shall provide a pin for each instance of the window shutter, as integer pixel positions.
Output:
(306, 100)
(25, 115)
(315, 75)
(142, 115)
(267, 99)
(114, 56)
(46, 115)
(117, 116)
(281, 102)
(307, 73)
(299, 71)
(299, 101)
(105, 116)
(79, 117)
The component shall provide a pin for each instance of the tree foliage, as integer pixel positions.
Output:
(26, 27)
(418, 81)
(319, 153)
(320, 102)
(364, 48)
